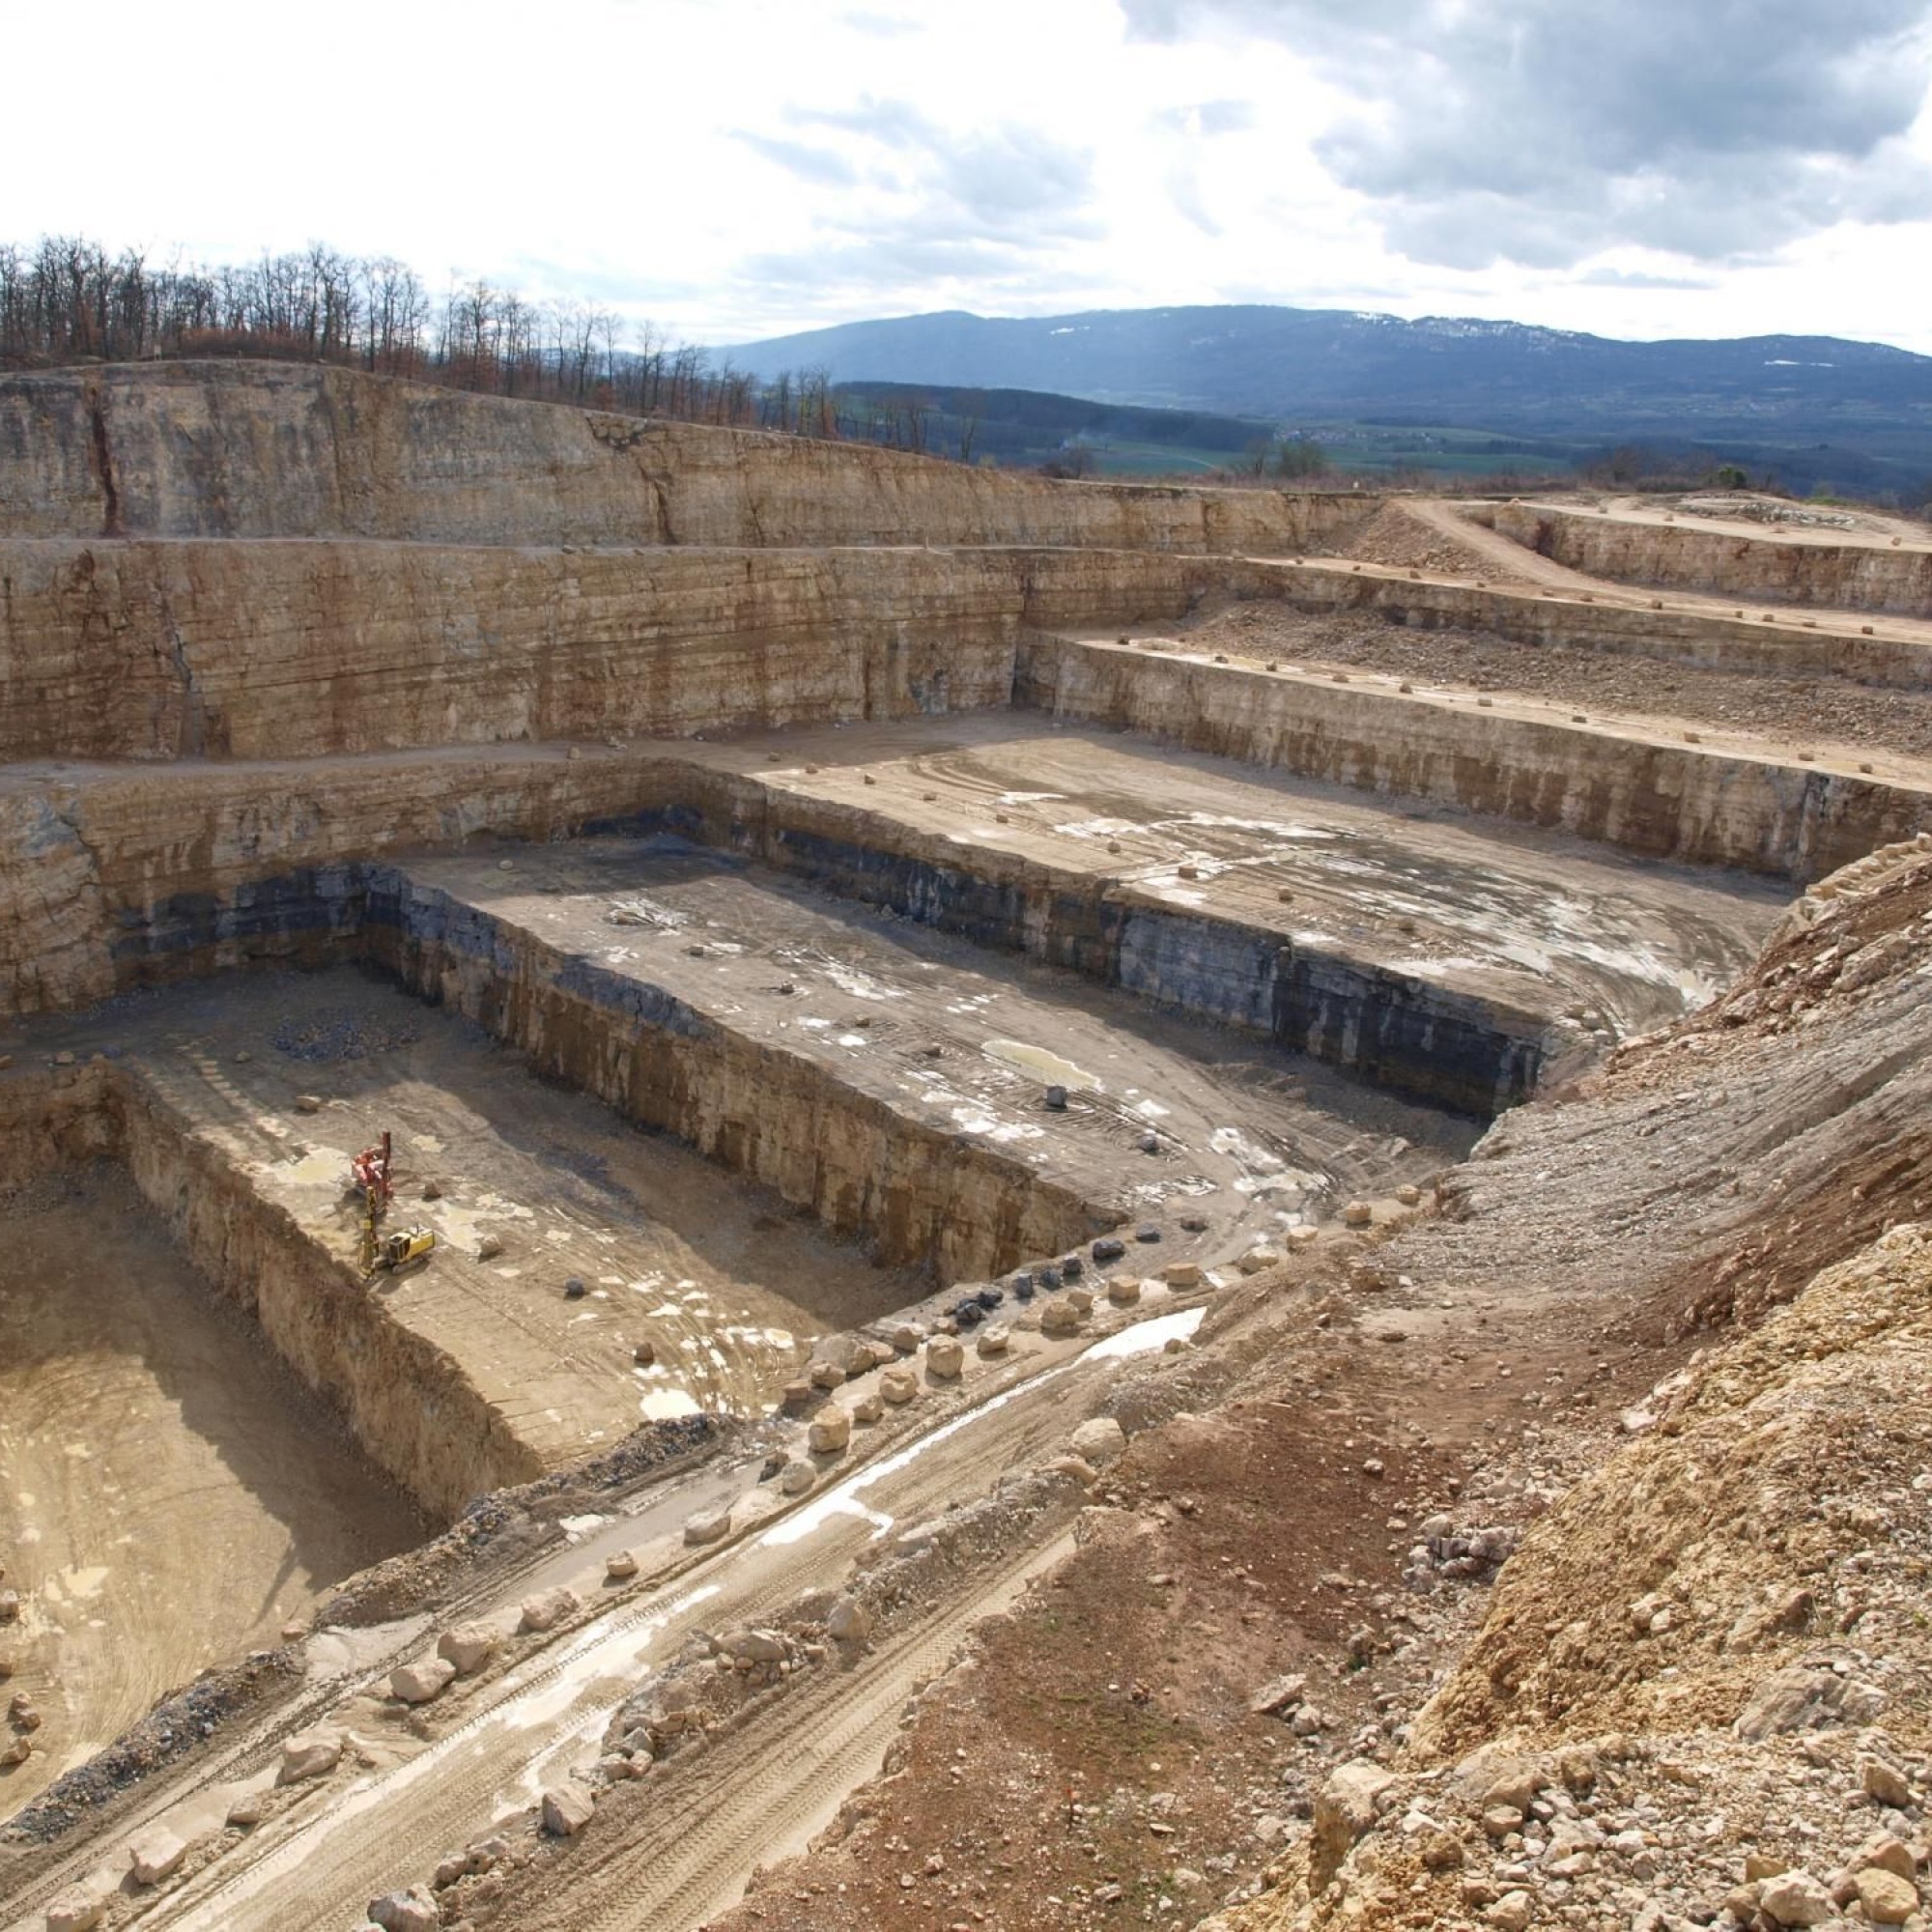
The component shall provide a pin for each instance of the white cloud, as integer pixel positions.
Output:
(733, 168)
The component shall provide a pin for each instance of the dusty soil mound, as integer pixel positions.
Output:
(1770, 1520)
(1397, 537)
(1702, 1684)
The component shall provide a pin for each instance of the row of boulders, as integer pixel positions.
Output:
(158, 1852)
(22, 1718)
(463, 1649)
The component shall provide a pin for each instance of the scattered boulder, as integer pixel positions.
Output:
(1883, 1783)
(997, 1339)
(796, 1478)
(74, 1910)
(945, 1357)
(421, 1682)
(1408, 1195)
(898, 1386)
(1792, 1699)
(489, 1248)
(1107, 1249)
(9, 1606)
(466, 1647)
(1887, 1899)
(1182, 1274)
(619, 1567)
(756, 1646)
(156, 1854)
(566, 1810)
(411, 1911)
(1122, 1290)
(1281, 1696)
(309, 1754)
(829, 1432)
(1357, 1214)
(1059, 1318)
(711, 1526)
(1099, 1440)
(545, 1609)
(248, 1809)
(1345, 1809)
(1256, 1259)
(1796, 1898)
(849, 1621)
(308, 1103)
(1078, 1468)
(823, 1373)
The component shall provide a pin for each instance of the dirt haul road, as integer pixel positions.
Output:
(712, 1819)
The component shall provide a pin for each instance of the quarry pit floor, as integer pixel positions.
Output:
(174, 1495)
(1526, 922)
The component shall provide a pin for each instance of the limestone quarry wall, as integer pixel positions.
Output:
(279, 649)
(112, 878)
(1854, 577)
(774, 1115)
(1683, 636)
(1654, 799)
(230, 450)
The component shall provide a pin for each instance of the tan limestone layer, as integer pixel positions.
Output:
(1643, 794)
(276, 650)
(1852, 576)
(276, 449)
(1712, 641)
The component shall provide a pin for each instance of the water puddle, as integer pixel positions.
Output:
(1050, 1067)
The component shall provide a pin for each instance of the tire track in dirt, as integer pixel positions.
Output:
(755, 1797)
(382, 1832)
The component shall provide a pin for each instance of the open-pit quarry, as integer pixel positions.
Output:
(1115, 1205)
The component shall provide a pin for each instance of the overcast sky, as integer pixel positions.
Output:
(737, 168)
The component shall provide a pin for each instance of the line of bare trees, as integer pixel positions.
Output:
(65, 299)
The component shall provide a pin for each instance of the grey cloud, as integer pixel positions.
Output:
(996, 207)
(1183, 189)
(880, 26)
(1544, 133)
(808, 164)
(1632, 278)
(1209, 117)
(1004, 179)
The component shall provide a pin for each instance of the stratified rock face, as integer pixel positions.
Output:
(279, 650)
(1644, 794)
(250, 449)
(1853, 575)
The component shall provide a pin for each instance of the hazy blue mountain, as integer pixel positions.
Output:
(1289, 364)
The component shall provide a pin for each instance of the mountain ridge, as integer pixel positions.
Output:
(1284, 363)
